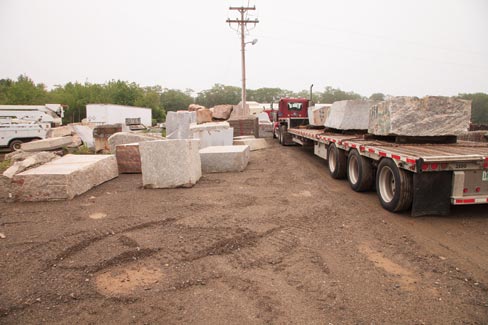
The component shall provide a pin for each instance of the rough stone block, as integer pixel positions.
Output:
(101, 133)
(170, 163)
(265, 129)
(195, 107)
(349, 115)
(61, 131)
(221, 159)
(428, 116)
(253, 143)
(126, 137)
(47, 144)
(178, 124)
(317, 115)
(128, 158)
(204, 115)
(212, 134)
(64, 178)
(222, 112)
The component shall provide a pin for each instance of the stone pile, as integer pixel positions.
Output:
(431, 116)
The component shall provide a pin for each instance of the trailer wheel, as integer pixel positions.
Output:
(15, 145)
(336, 159)
(359, 172)
(394, 186)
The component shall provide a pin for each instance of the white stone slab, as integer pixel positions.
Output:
(170, 163)
(253, 143)
(317, 115)
(212, 134)
(178, 124)
(64, 178)
(47, 144)
(86, 135)
(428, 116)
(221, 159)
(61, 131)
(349, 115)
(126, 137)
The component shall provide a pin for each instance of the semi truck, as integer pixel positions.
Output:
(425, 178)
(48, 113)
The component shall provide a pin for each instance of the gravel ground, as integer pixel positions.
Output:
(281, 242)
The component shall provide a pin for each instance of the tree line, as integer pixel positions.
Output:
(24, 91)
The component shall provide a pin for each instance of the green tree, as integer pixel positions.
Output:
(219, 94)
(174, 100)
(479, 107)
(22, 92)
(267, 95)
(377, 96)
(331, 95)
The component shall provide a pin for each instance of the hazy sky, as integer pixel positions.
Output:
(429, 47)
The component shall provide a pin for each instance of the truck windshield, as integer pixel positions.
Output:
(294, 106)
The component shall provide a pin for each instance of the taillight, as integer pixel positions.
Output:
(478, 189)
(465, 190)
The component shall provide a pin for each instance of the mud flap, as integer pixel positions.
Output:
(431, 193)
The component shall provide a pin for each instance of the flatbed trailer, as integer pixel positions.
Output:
(428, 178)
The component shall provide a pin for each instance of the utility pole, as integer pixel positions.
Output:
(242, 25)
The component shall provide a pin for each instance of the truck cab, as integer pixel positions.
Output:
(291, 113)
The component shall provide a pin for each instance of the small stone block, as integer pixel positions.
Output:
(170, 163)
(221, 159)
(128, 158)
(253, 143)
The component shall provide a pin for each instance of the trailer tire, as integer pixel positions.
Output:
(394, 186)
(336, 160)
(280, 134)
(359, 172)
(15, 145)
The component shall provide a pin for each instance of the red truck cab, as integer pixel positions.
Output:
(292, 112)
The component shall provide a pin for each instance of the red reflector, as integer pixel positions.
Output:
(395, 157)
(469, 201)
(382, 154)
(465, 190)
(361, 148)
(444, 166)
(434, 166)
(425, 167)
(371, 150)
(411, 161)
(459, 201)
(478, 189)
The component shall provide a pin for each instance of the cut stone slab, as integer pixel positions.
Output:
(212, 134)
(412, 116)
(47, 144)
(61, 131)
(221, 159)
(222, 112)
(86, 135)
(64, 178)
(126, 137)
(349, 115)
(317, 115)
(204, 115)
(253, 143)
(170, 163)
(128, 158)
(178, 124)
(36, 159)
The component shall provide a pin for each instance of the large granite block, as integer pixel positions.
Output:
(64, 178)
(317, 115)
(222, 112)
(212, 134)
(47, 144)
(204, 115)
(349, 115)
(221, 159)
(178, 124)
(413, 116)
(127, 137)
(128, 158)
(253, 143)
(170, 163)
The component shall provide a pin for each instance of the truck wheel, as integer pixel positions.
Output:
(15, 145)
(394, 186)
(336, 159)
(280, 135)
(359, 172)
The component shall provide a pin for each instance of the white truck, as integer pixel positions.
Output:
(12, 135)
(48, 113)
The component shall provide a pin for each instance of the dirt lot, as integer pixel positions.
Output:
(279, 243)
